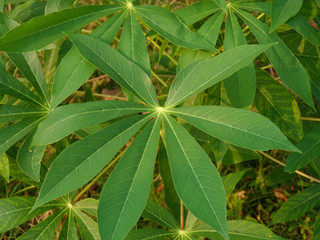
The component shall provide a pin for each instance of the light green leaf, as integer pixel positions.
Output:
(240, 127)
(231, 180)
(28, 63)
(282, 10)
(27, 10)
(15, 211)
(13, 133)
(69, 229)
(57, 5)
(28, 158)
(239, 230)
(274, 101)
(44, 230)
(221, 3)
(41, 31)
(204, 73)
(133, 43)
(10, 113)
(195, 178)
(156, 213)
(125, 194)
(171, 27)
(88, 227)
(285, 63)
(189, 56)
(118, 67)
(13, 87)
(196, 11)
(298, 205)
(240, 86)
(310, 147)
(211, 28)
(74, 70)
(4, 166)
(149, 234)
(69, 118)
(88, 205)
(86, 158)
(264, 7)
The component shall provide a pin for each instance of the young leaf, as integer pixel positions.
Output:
(86, 158)
(310, 147)
(240, 127)
(204, 73)
(69, 118)
(69, 229)
(282, 10)
(126, 191)
(118, 67)
(285, 63)
(29, 158)
(298, 205)
(4, 166)
(195, 178)
(88, 227)
(211, 28)
(74, 70)
(41, 31)
(196, 11)
(133, 43)
(240, 86)
(45, 229)
(275, 102)
(171, 27)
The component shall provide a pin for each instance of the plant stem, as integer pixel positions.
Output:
(98, 176)
(181, 215)
(282, 164)
(103, 95)
(310, 119)
(159, 79)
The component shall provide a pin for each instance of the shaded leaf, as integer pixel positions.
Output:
(88, 227)
(69, 229)
(4, 166)
(211, 28)
(9, 113)
(231, 180)
(88, 205)
(57, 5)
(149, 234)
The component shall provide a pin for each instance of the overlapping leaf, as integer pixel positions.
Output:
(10, 113)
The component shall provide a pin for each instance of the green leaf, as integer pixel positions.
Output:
(88, 205)
(69, 118)
(69, 229)
(221, 3)
(196, 11)
(13, 133)
(41, 31)
(195, 178)
(204, 73)
(274, 101)
(149, 234)
(282, 10)
(29, 158)
(88, 227)
(86, 158)
(211, 28)
(298, 205)
(27, 10)
(171, 27)
(240, 127)
(4, 166)
(316, 229)
(118, 67)
(156, 213)
(74, 70)
(219, 148)
(285, 63)
(9, 113)
(240, 86)
(189, 56)
(239, 230)
(57, 5)
(231, 180)
(133, 45)
(28, 63)
(13, 87)
(236, 155)
(125, 194)
(15, 211)
(44, 230)
(310, 147)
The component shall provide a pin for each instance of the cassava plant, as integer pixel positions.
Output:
(223, 107)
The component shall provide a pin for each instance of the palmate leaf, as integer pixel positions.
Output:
(88, 227)
(310, 147)
(41, 31)
(69, 118)
(69, 229)
(88, 205)
(86, 158)
(74, 70)
(126, 191)
(46, 229)
(298, 205)
(211, 28)
(282, 10)
(241, 85)
(118, 67)
(195, 178)
(285, 63)
(240, 127)
(171, 27)
(149, 234)
(10, 113)
(204, 73)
